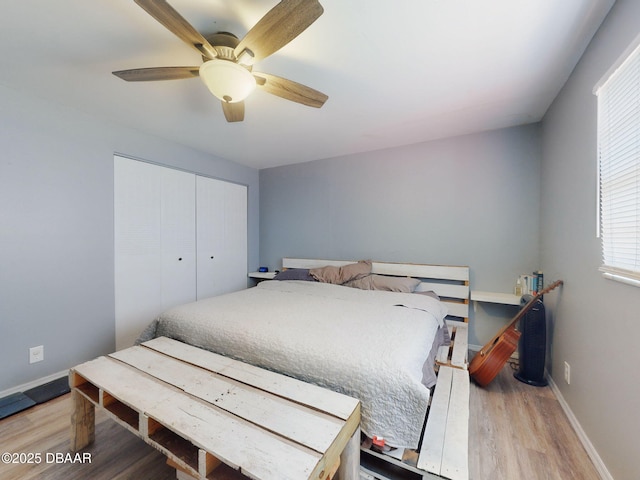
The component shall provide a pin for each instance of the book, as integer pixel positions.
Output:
(531, 283)
(526, 280)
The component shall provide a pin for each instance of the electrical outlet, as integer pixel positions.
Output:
(567, 373)
(36, 354)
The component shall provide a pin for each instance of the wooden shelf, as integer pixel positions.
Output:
(495, 297)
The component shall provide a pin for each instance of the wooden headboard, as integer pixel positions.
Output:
(450, 283)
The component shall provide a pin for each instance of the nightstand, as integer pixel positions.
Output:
(259, 276)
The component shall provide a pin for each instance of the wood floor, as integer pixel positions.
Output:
(515, 431)
(520, 431)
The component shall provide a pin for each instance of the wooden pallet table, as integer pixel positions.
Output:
(205, 411)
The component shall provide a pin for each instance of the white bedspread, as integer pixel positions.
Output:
(358, 342)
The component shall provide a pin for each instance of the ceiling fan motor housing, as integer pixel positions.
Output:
(224, 43)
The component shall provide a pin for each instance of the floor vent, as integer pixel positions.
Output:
(17, 402)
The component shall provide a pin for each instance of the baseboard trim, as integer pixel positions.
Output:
(586, 443)
(34, 383)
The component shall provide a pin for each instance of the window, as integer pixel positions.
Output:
(619, 168)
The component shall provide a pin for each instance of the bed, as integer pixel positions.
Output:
(371, 330)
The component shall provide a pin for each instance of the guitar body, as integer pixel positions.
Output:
(489, 361)
(485, 365)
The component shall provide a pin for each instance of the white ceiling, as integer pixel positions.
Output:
(396, 72)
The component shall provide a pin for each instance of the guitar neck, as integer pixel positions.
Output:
(522, 312)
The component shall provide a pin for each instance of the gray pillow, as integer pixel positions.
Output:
(295, 274)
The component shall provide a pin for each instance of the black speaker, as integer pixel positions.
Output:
(532, 346)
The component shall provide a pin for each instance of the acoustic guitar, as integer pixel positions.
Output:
(492, 357)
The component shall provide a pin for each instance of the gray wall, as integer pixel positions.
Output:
(595, 322)
(472, 200)
(56, 230)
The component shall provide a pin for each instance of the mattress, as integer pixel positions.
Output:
(371, 345)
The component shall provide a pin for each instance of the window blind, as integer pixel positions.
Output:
(619, 170)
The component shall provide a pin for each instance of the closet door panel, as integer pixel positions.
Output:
(210, 238)
(178, 238)
(235, 227)
(221, 237)
(137, 245)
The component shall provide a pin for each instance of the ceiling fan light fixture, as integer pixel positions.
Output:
(228, 81)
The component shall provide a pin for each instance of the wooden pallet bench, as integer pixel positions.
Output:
(205, 411)
(444, 450)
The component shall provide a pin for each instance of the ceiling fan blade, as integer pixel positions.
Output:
(279, 26)
(289, 90)
(233, 112)
(157, 73)
(175, 23)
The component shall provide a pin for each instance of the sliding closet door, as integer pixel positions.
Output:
(162, 258)
(154, 224)
(221, 237)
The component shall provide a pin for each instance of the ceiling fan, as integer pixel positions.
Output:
(228, 61)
